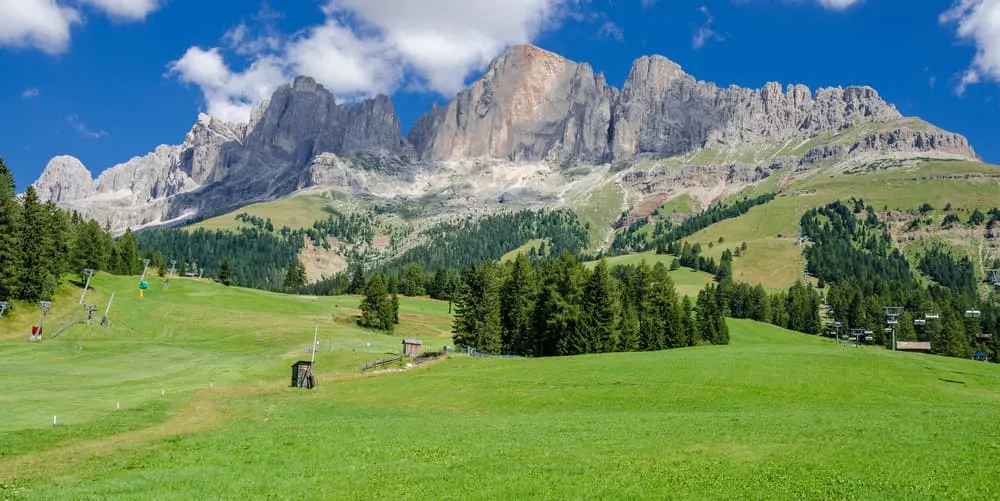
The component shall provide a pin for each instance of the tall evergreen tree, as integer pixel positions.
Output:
(600, 308)
(377, 309)
(128, 255)
(517, 302)
(10, 235)
(36, 280)
(89, 250)
(295, 277)
(477, 312)
(224, 274)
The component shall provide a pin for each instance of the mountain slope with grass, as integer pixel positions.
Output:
(713, 421)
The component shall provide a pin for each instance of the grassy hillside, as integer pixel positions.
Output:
(294, 212)
(688, 282)
(775, 261)
(773, 415)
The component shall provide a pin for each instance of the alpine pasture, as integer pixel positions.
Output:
(199, 375)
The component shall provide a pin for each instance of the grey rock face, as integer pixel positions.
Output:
(529, 105)
(908, 139)
(665, 111)
(221, 165)
(65, 179)
(825, 152)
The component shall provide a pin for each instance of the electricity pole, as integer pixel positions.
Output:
(892, 314)
(90, 273)
(45, 306)
(104, 321)
(145, 263)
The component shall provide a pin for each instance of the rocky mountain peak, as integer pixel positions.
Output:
(64, 179)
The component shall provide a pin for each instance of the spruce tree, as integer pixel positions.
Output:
(36, 280)
(377, 307)
(88, 248)
(690, 328)
(128, 255)
(224, 276)
(477, 320)
(517, 303)
(601, 310)
(295, 276)
(10, 235)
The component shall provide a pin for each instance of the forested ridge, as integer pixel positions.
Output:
(40, 244)
(852, 252)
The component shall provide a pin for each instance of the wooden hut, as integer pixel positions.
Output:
(919, 346)
(412, 347)
(302, 374)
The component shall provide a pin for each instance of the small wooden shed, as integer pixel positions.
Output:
(412, 347)
(920, 346)
(302, 374)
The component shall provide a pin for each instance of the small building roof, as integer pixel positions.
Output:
(412, 341)
(913, 345)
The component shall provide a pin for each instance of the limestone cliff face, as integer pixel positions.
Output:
(664, 111)
(529, 105)
(221, 165)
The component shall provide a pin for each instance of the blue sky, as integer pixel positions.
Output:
(106, 80)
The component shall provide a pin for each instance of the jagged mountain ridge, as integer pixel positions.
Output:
(529, 106)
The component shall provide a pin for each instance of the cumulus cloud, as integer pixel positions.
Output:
(82, 129)
(705, 31)
(30, 93)
(838, 4)
(366, 47)
(126, 10)
(978, 22)
(43, 24)
(611, 30)
(46, 24)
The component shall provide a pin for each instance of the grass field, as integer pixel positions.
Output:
(294, 212)
(773, 415)
(776, 261)
(688, 282)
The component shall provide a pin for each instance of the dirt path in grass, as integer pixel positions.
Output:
(208, 409)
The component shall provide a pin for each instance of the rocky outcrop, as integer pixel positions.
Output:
(823, 153)
(65, 179)
(221, 165)
(909, 139)
(664, 111)
(530, 105)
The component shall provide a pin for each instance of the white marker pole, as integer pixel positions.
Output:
(118, 406)
(53, 420)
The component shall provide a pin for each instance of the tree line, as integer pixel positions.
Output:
(852, 252)
(40, 244)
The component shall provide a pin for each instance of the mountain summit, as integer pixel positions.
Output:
(530, 106)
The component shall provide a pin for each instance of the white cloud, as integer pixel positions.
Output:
(705, 31)
(611, 30)
(46, 24)
(229, 96)
(30, 92)
(978, 21)
(126, 10)
(366, 47)
(43, 24)
(838, 4)
(82, 130)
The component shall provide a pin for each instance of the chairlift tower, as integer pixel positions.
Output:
(892, 314)
(145, 266)
(90, 313)
(45, 306)
(104, 321)
(858, 335)
(3, 307)
(173, 268)
(90, 274)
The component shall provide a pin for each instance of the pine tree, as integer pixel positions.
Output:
(295, 276)
(10, 233)
(88, 247)
(517, 303)
(477, 312)
(357, 280)
(690, 328)
(377, 311)
(36, 280)
(224, 277)
(128, 255)
(600, 320)
(60, 235)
